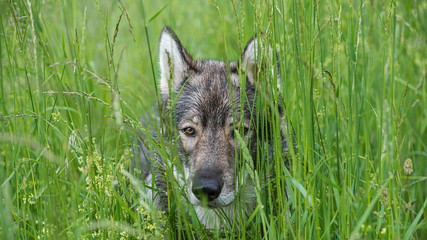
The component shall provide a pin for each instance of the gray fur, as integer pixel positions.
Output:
(209, 92)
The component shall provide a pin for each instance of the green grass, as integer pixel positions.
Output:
(77, 75)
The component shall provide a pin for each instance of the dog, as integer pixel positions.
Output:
(205, 101)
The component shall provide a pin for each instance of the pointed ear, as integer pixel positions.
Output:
(258, 55)
(175, 62)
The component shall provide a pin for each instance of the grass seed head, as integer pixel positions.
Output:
(407, 167)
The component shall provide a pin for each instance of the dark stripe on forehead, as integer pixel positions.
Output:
(209, 103)
(207, 94)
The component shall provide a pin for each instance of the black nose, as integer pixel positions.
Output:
(207, 187)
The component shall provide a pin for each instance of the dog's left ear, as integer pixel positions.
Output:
(256, 55)
(175, 62)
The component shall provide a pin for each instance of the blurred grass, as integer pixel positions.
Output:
(77, 75)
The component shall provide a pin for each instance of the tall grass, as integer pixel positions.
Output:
(76, 76)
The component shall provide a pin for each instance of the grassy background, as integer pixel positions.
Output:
(77, 75)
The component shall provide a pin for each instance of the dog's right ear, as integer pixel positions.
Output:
(252, 59)
(175, 62)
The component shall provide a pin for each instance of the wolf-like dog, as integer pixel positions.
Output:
(205, 100)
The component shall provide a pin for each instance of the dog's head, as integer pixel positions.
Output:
(209, 107)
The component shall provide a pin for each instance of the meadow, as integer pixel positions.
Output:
(76, 76)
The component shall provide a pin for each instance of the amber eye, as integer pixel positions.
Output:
(189, 131)
(245, 131)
